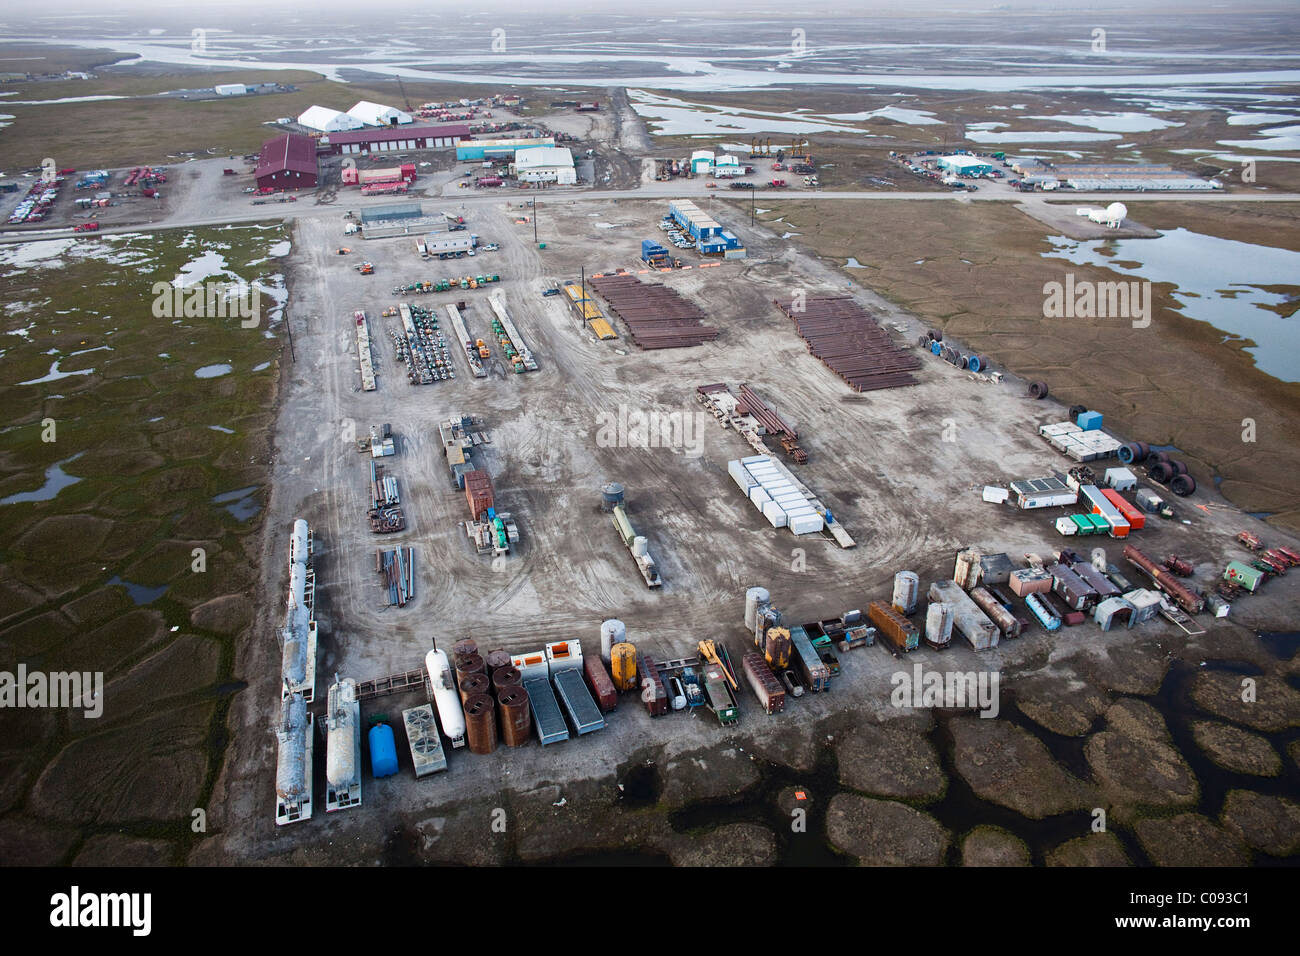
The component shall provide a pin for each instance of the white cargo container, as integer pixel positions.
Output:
(1066, 526)
(759, 497)
(805, 523)
(774, 514)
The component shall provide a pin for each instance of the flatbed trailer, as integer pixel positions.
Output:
(547, 719)
(582, 710)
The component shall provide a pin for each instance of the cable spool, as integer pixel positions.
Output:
(1038, 390)
(976, 363)
(936, 348)
(1160, 456)
(1179, 467)
(1127, 454)
(965, 362)
(1161, 472)
(1144, 450)
(1182, 485)
(923, 341)
(936, 335)
(1076, 411)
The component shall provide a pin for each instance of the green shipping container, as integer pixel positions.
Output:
(1082, 523)
(1099, 524)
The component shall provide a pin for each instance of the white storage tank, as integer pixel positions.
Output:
(754, 599)
(298, 542)
(611, 632)
(445, 696)
(906, 587)
(938, 624)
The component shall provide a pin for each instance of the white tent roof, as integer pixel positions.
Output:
(327, 120)
(377, 114)
(543, 156)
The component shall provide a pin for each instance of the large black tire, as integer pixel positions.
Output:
(1182, 485)
(1038, 390)
(1161, 472)
(1179, 467)
(1077, 410)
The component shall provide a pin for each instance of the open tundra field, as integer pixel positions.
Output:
(133, 469)
(1086, 719)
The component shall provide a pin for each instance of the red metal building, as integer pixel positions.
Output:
(287, 162)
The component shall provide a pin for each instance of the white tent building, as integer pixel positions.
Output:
(377, 114)
(325, 120)
(545, 164)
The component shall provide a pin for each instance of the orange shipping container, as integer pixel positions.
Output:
(478, 492)
(1135, 518)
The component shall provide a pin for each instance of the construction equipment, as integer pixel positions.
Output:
(344, 252)
(366, 268)
(717, 654)
(483, 351)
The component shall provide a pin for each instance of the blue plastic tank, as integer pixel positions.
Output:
(383, 751)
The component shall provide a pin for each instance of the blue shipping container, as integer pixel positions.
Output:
(383, 751)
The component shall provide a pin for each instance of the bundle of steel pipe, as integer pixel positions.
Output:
(851, 344)
(655, 315)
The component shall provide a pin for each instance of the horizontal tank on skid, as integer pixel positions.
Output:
(343, 747)
(445, 697)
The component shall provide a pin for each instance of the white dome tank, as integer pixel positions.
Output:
(611, 632)
(906, 587)
(1116, 212)
(938, 623)
(754, 599)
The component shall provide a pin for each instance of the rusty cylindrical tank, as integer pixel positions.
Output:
(505, 677)
(516, 719)
(480, 724)
(473, 685)
(469, 664)
(496, 660)
(464, 648)
(622, 663)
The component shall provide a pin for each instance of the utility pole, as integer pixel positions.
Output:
(751, 207)
(582, 306)
(534, 202)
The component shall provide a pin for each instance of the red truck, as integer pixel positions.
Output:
(86, 227)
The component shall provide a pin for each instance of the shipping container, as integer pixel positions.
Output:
(653, 693)
(1136, 519)
(766, 687)
(901, 634)
(598, 679)
(1029, 581)
(1072, 589)
(584, 716)
(478, 493)
(807, 662)
(1101, 505)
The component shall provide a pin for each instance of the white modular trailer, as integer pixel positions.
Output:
(759, 496)
(1066, 526)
